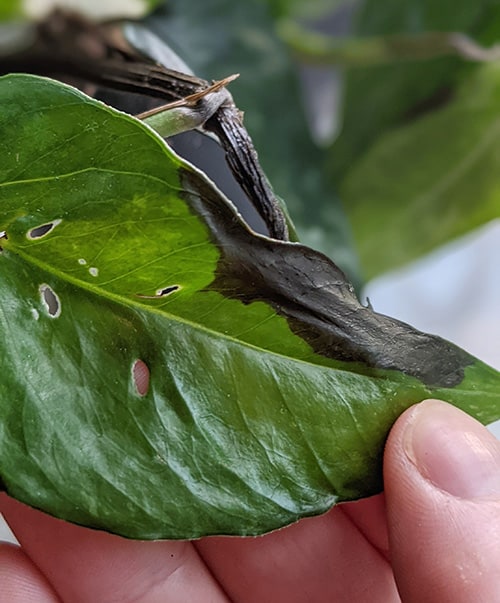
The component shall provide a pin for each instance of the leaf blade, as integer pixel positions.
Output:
(244, 426)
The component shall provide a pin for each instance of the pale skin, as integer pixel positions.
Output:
(433, 537)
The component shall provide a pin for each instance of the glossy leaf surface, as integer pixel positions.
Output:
(270, 390)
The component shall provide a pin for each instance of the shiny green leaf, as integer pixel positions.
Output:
(165, 372)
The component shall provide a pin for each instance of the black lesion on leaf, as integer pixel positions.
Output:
(50, 301)
(41, 231)
(313, 294)
(161, 292)
(168, 290)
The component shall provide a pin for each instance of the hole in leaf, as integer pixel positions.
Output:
(161, 292)
(140, 375)
(93, 271)
(40, 231)
(50, 301)
(3, 235)
(167, 290)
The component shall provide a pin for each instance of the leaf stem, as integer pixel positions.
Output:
(188, 113)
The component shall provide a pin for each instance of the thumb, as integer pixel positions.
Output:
(442, 485)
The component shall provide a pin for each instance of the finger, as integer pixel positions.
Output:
(86, 565)
(323, 558)
(20, 579)
(442, 485)
(369, 516)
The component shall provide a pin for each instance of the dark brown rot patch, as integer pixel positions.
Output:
(318, 302)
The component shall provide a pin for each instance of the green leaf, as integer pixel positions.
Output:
(413, 149)
(10, 9)
(379, 97)
(309, 9)
(271, 390)
(427, 182)
(220, 37)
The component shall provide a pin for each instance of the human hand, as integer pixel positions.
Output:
(436, 534)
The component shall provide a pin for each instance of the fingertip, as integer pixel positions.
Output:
(442, 479)
(21, 580)
(448, 448)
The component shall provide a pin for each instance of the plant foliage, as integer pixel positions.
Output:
(166, 372)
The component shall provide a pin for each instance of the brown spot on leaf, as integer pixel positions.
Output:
(140, 375)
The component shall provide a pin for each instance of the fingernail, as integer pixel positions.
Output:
(453, 451)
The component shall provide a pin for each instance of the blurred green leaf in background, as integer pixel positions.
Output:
(416, 161)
